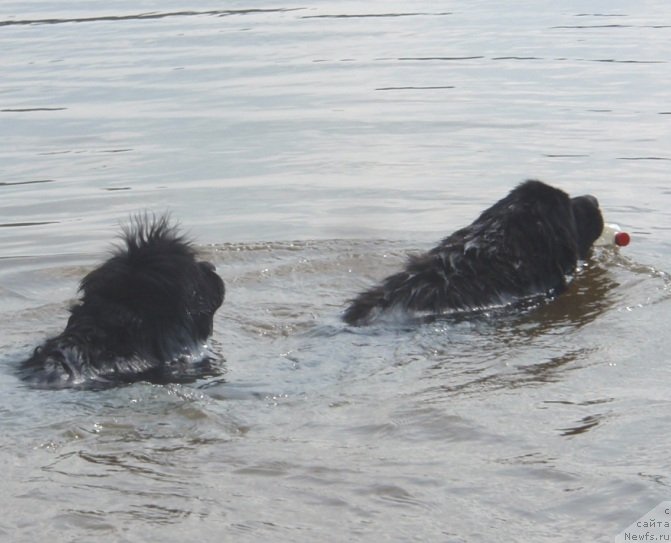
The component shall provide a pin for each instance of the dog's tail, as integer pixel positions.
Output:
(365, 307)
(423, 287)
(402, 290)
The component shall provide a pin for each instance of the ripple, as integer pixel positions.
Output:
(585, 424)
(31, 109)
(435, 87)
(140, 16)
(32, 182)
(371, 15)
(21, 224)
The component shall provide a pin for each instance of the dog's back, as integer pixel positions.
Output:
(522, 246)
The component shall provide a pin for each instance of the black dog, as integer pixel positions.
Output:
(144, 314)
(524, 246)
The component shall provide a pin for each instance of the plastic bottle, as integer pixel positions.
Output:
(612, 236)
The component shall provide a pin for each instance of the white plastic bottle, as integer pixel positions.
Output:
(612, 236)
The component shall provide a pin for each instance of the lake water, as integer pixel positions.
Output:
(309, 148)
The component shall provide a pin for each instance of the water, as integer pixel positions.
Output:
(309, 148)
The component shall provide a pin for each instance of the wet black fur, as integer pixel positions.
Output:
(142, 314)
(525, 245)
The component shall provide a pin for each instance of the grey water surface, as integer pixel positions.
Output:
(309, 148)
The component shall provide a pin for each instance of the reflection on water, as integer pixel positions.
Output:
(590, 295)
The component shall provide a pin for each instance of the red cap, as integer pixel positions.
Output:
(622, 239)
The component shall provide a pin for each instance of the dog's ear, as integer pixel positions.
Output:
(213, 289)
(207, 297)
(588, 222)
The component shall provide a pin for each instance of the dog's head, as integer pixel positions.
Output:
(156, 282)
(145, 311)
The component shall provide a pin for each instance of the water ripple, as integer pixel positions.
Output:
(141, 16)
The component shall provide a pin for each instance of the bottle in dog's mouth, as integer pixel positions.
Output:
(613, 236)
